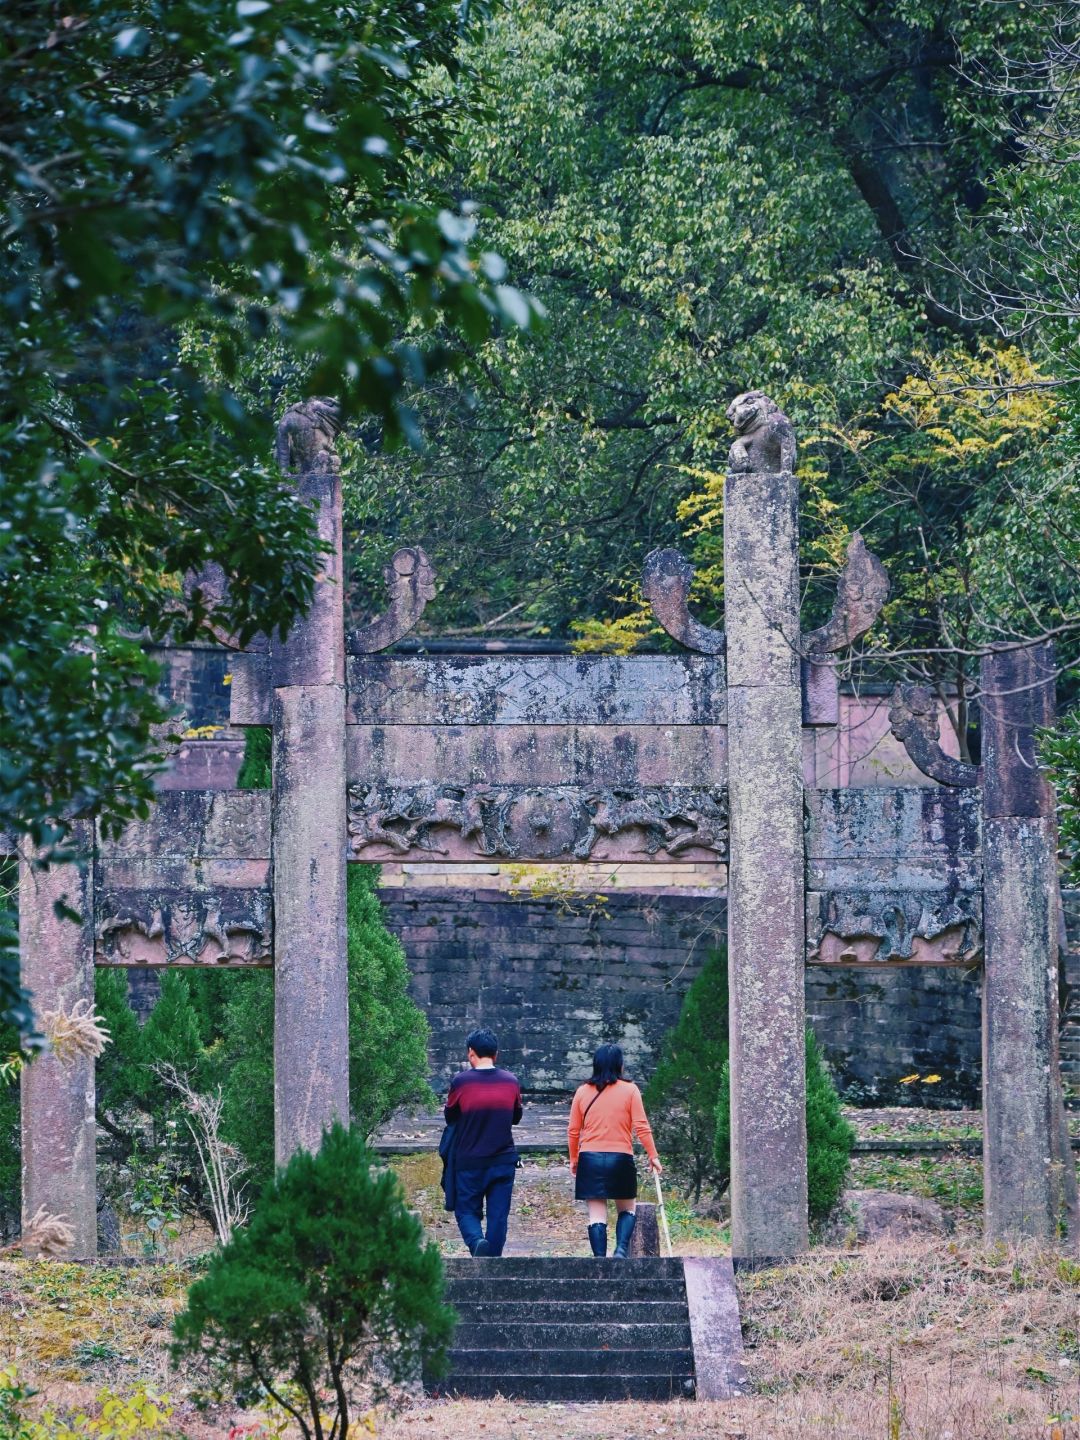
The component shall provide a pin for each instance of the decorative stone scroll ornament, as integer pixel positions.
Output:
(183, 931)
(535, 822)
(913, 716)
(902, 927)
(410, 583)
(665, 583)
(765, 437)
(306, 437)
(861, 591)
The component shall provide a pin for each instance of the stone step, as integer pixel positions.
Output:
(612, 1288)
(579, 1311)
(567, 1388)
(571, 1362)
(568, 1335)
(564, 1267)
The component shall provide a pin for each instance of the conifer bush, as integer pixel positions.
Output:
(680, 1099)
(330, 1286)
(829, 1137)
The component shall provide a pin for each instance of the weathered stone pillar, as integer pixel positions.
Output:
(59, 1134)
(311, 1012)
(1020, 1094)
(766, 904)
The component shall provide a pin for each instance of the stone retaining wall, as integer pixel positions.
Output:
(556, 981)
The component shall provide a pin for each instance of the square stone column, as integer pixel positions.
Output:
(1021, 1096)
(311, 1006)
(59, 1133)
(766, 899)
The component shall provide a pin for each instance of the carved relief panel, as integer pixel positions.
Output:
(545, 822)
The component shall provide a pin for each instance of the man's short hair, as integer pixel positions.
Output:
(484, 1043)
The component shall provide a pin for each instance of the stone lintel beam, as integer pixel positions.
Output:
(59, 1132)
(913, 716)
(410, 583)
(665, 582)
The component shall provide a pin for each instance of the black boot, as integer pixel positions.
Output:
(624, 1228)
(598, 1238)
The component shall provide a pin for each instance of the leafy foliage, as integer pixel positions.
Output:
(330, 1284)
(387, 1035)
(681, 1095)
(699, 215)
(1059, 750)
(216, 182)
(829, 1137)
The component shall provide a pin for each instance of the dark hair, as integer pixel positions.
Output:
(607, 1066)
(484, 1042)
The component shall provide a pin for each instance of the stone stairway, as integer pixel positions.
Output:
(569, 1328)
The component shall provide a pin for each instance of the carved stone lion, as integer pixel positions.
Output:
(766, 437)
(306, 436)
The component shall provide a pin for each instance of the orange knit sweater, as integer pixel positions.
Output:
(612, 1122)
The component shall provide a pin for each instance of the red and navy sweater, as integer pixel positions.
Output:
(482, 1106)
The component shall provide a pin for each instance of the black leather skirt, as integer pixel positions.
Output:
(605, 1175)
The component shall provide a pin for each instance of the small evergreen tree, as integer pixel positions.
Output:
(247, 1070)
(829, 1137)
(681, 1096)
(388, 1034)
(330, 1279)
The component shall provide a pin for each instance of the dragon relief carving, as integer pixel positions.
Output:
(536, 821)
(878, 927)
(184, 932)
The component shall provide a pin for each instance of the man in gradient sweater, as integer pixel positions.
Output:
(483, 1103)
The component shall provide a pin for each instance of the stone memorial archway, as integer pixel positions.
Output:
(687, 757)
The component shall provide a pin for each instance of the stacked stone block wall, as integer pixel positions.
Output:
(555, 981)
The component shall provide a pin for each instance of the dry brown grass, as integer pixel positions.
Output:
(928, 1341)
(932, 1340)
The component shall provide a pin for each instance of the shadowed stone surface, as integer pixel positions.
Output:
(883, 1215)
(715, 1330)
(530, 690)
(58, 1127)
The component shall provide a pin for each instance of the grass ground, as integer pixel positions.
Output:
(936, 1340)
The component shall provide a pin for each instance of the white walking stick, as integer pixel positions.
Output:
(662, 1213)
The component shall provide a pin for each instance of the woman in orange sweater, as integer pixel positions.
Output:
(606, 1114)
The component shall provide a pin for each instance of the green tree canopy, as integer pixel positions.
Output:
(188, 189)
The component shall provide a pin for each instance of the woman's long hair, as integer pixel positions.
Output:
(607, 1066)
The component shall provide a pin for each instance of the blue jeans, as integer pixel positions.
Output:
(491, 1185)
